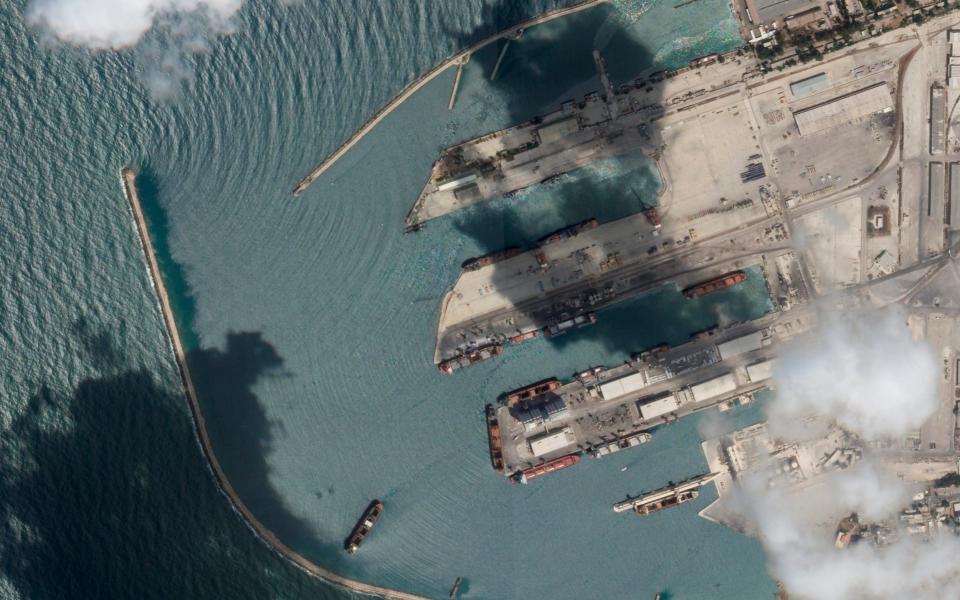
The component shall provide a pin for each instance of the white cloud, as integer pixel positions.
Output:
(864, 370)
(114, 24)
(796, 529)
(100, 25)
(868, 374)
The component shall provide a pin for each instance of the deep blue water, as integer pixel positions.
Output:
(310, 323)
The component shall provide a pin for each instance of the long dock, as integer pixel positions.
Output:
(683, 486)
(128, 177)
(426, 78)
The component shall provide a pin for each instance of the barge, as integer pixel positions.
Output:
(630, 441)
(362, 529)
(562, 327)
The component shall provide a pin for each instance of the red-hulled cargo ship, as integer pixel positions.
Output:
(531, 391)
(569, 232)
(471, 357)
(720, 283)
(488, 259)
(496, 442)
(362, 529)
(524, 336)
(549, 467)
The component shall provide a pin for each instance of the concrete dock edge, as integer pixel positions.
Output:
(128, 177)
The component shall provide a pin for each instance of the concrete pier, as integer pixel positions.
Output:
(456, 82)
(426, 78)
(128, 177)
(496, 67)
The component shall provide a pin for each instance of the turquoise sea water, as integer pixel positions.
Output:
(310, 323)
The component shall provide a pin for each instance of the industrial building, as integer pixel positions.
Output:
(843, 109)
(551, 442)
(935, 184)
(623, 386)
(809, 85)
(954, 195)
(536, 416)
(457, 183)
(741, 345)
(953, 60)
(768, 11)
(713, 388)
(938, 117)
(761, 371)
(658, 406)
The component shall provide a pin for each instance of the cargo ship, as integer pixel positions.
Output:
(714, 285)
(494, 257)
(524, 336)
(549, 467)
(566, 325)
(470, 357)
(672, 495)
(531, 391)
(362, 529)
(569, 232)
(630, 441)
(494, 439)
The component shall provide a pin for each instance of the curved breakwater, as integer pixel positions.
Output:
(459, 59)
(128, 177)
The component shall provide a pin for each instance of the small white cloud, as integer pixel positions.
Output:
(115, 24)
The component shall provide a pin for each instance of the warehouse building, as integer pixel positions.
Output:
(741, 345)
(810, 85)
(623, 386)
(935, 191)
(843, 109)
(551, 442)
(938, 118)
(651, 408)
(761, 371)
(713, 388)
(955, 195)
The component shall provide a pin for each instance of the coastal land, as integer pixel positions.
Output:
(752, 154)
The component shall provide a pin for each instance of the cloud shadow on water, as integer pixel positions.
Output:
(537, 74)
(115, 500)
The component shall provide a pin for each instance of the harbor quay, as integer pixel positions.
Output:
(604, 410)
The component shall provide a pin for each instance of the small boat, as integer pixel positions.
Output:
(455, 590)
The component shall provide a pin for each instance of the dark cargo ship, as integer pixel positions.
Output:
(569, 232)
(362, 529)
(475, 264)
(470, 357)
